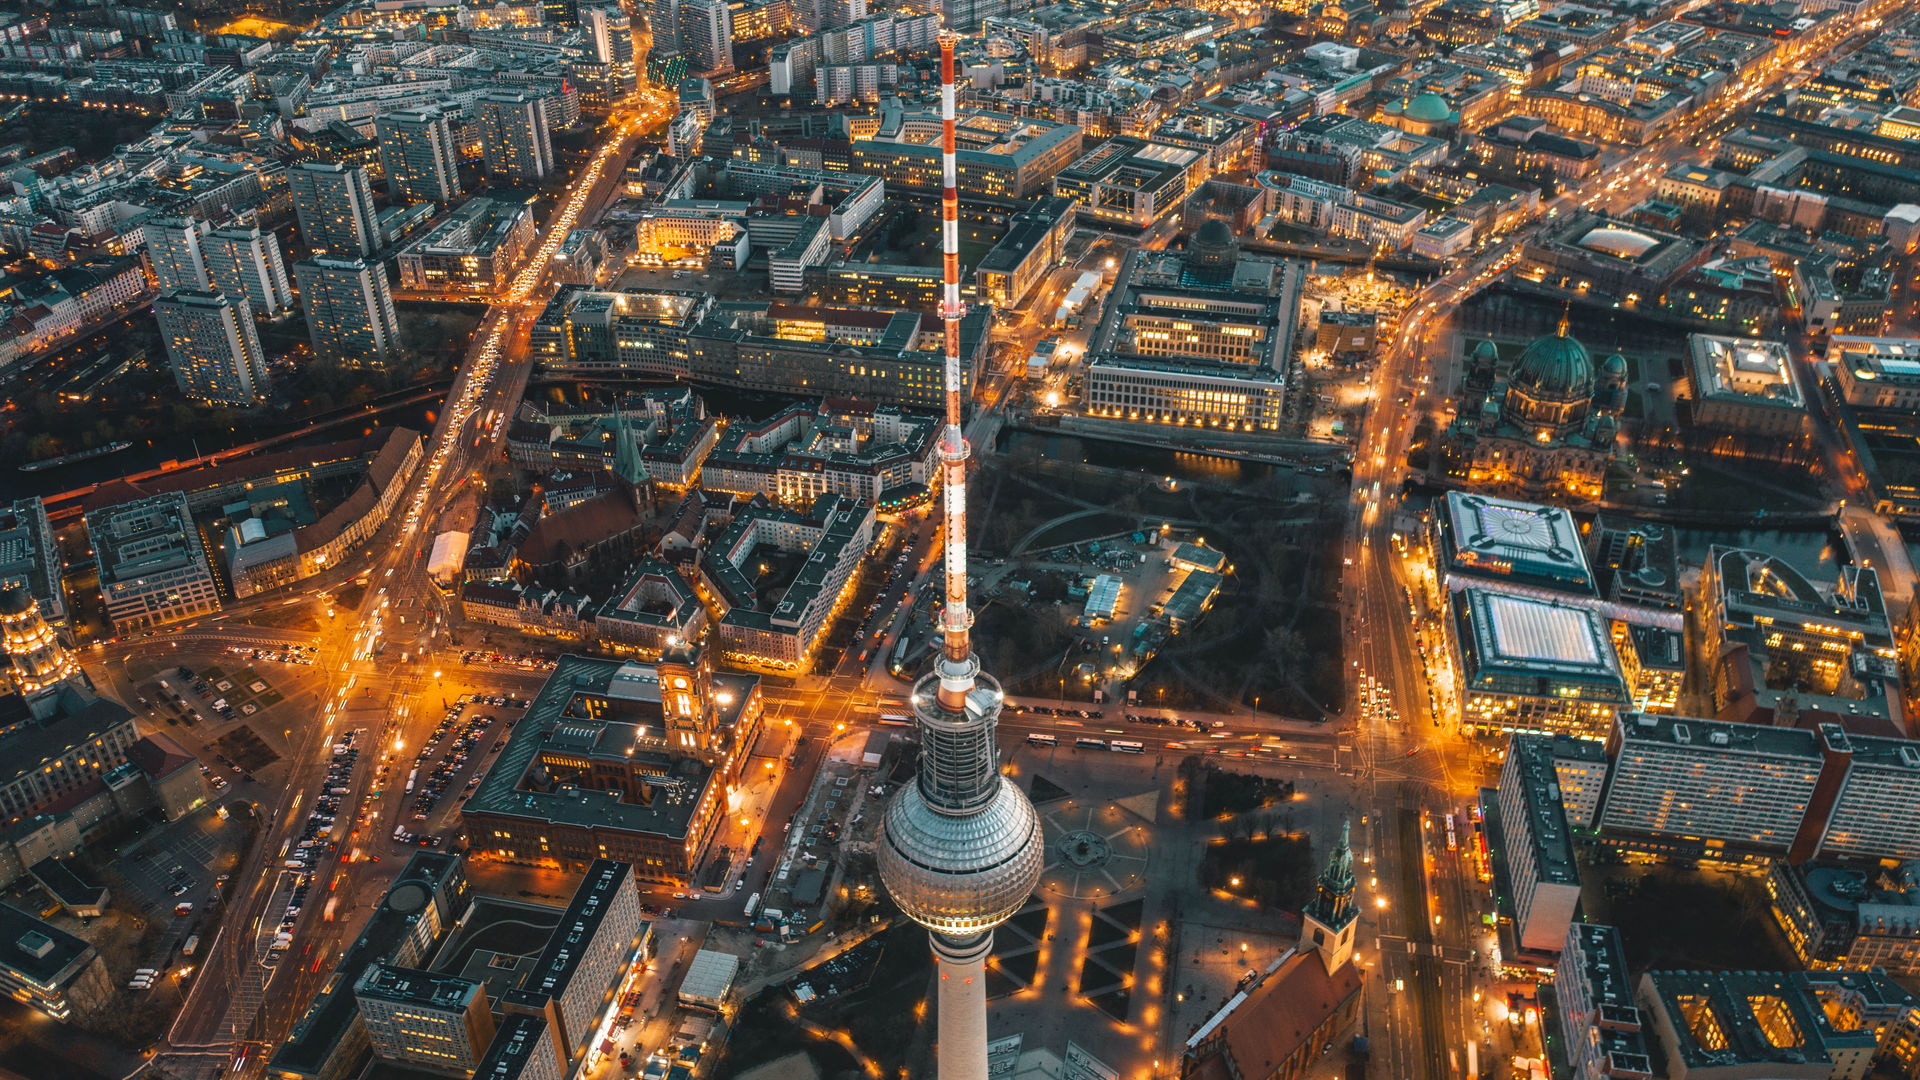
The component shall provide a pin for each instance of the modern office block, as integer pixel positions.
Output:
(1598, 1019)
(245, 262)
(424, 1018)
(212, 346)
(610, 34)
(663, 22)
(417, 152)
(1538, 846)
(174, 250)
(706, 35)
(153, 567)
(349, 310)
(514, 141)
(335, 207)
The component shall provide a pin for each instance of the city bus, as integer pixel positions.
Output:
(1090, 744)
(1124, 746)
(1038, 739)
(895, 719)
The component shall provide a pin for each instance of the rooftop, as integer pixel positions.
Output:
(1530, 763)
(1500, 540)
(1745, 371)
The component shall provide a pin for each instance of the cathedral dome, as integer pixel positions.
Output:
(1556, 367)
(1213, 247)
(1428, 108)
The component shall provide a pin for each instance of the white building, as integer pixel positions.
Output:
(706, 36)
(1538, 845)
(212, 346)
(174, 252)
(1877, 372)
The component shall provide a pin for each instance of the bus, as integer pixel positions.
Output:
(753, 905)
(1124, 746)
(1038, 739)
(410, 779)
(1090, 744)
(895, 719)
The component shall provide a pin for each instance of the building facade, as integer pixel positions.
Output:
(213, 348)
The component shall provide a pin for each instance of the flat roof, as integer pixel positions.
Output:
(1530, 763)
(515, 1042)
(39, 952)
(1516, 635)
(1719, 735)
(579, 928)
(1744, 371)
(710, 976)
(1502, 540)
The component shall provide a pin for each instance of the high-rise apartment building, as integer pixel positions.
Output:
(244, 262)
(212, 346)
(335, 206)
(1538, 844)
(706, 35)
(514, 141)
(349, 310)
(417, 152)
(174, 250)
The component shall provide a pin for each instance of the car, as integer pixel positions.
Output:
(178, 889)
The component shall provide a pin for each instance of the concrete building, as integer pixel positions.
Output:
(1745, 386)
(1784, 651)
(1034, 243)
(1534, 665)
(566, 791)
(1201, 339)
(1599, 1024)
(1857, 915)
(515, 144)
(334, 204)
(244, 262)
(1538, 846)
(473, 251)
(424, 1019)
(419, 156)
(706, 36)
(1129, 181)
(174, 252)
(876, 455)
(350, 314)
(1876, 372)
(153, 567)
(50, 970)
(1501, 545)
(575, 978)
(782, 634)
(522, 1049)
(30, 556)
(1723, 1025)
(213, 348)
(998, 157)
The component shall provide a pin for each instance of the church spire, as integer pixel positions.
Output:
(1329, 917)
(1565, 310)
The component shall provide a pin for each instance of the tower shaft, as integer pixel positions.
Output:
(957, 622)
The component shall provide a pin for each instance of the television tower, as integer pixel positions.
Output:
(961, 848)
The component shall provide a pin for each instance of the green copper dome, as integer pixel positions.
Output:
(1486, 350)
(1555, 367)
(1428, 108)
(1615, 365)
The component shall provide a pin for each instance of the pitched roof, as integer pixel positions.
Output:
(1284, 1011)
(160, 756)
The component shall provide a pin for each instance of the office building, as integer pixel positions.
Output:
(1531, 832)
(782, 634)
(997, 156)
(423, 1018)
(174, 251)
(706, 36)
(1599, 1024)
(1855, 915)
(1034, 243)
(350, 314)
(1726, 1025)
(522, 1049)
(1745, 386)
(575, 978)
(417, 151)
(213, 347)
(514, 142)
(1784, 651)
(473, 251)
(244, 262)
(50, 970)
(1877, 372)
(877, 455)
(153, 566)
(1712, 788)
(1526, 664)
(334, 204)
(618, 760)
(1200, 339)
(1499, 545)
